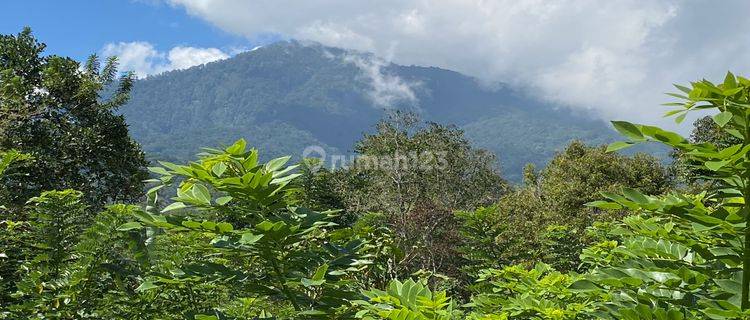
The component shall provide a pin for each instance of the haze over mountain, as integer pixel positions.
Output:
(290, 95)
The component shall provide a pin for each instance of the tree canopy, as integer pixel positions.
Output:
(52, 108)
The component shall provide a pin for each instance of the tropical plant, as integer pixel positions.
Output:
(507, 233)
(705, 130)
(46, 251)
(515, 292)
(254, 237)
(479, 230)
(10, 249)
(408, 300)
(561, 246)
(378, 246)
(229, 236)
(679, 254)
(716, 222)
(63, 271)
(9, 157)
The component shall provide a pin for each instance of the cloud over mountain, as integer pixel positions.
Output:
(613, 58)
(144, 59)
(387, 90)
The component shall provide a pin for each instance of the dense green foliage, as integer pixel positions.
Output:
(726, 166)
(234, 243)
(255, 237)
(50, 108)
(680, 254)
(545, 219)
(432, 166)
(593, 235)
(413, 177)
(408, 300)
(705, 130)
(53, 120)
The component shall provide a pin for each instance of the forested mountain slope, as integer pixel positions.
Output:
(289, 95)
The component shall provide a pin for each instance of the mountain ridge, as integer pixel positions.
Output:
(288, 95)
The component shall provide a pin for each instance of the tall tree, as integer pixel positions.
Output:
(416, 176)
(51, 108)
(578, 174)
(546, 218)
(404, 165)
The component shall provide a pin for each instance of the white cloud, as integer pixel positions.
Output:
(387, 90)
(613, 58)
(143, 59)
(186, 57)
(139, 57)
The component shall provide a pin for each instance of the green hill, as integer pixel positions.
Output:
(289, 95)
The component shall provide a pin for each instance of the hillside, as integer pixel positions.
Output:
(289, 95)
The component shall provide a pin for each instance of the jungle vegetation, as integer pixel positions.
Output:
(90, 230)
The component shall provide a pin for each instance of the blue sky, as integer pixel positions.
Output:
(78, 28)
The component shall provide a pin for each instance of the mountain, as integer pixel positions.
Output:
(290, 95)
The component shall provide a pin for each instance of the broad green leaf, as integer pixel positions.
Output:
(731, 92)
(729, 151)
(224, 227)
(238, 148)
(604, 205)
(249, 238)
(628, 129)
(723, 118)
(191, 224)
(251, 161)
(200, 192)
(174, 206)
(674, 315)
(223, 200)
(682, 88)
(219, 169)
(320, 272)
(679, 119)
(277, 163)
(584, 285)
(154, 189)
(146, 286)
(730, 285)
(619, 145)
(208, 225)
(667, 137)
(265, 225)
(716, 165)
(361, 313)
(159, 170)
(729, 81)
(635, 196)
(129, 226)
(736, 133)
(311, 283)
